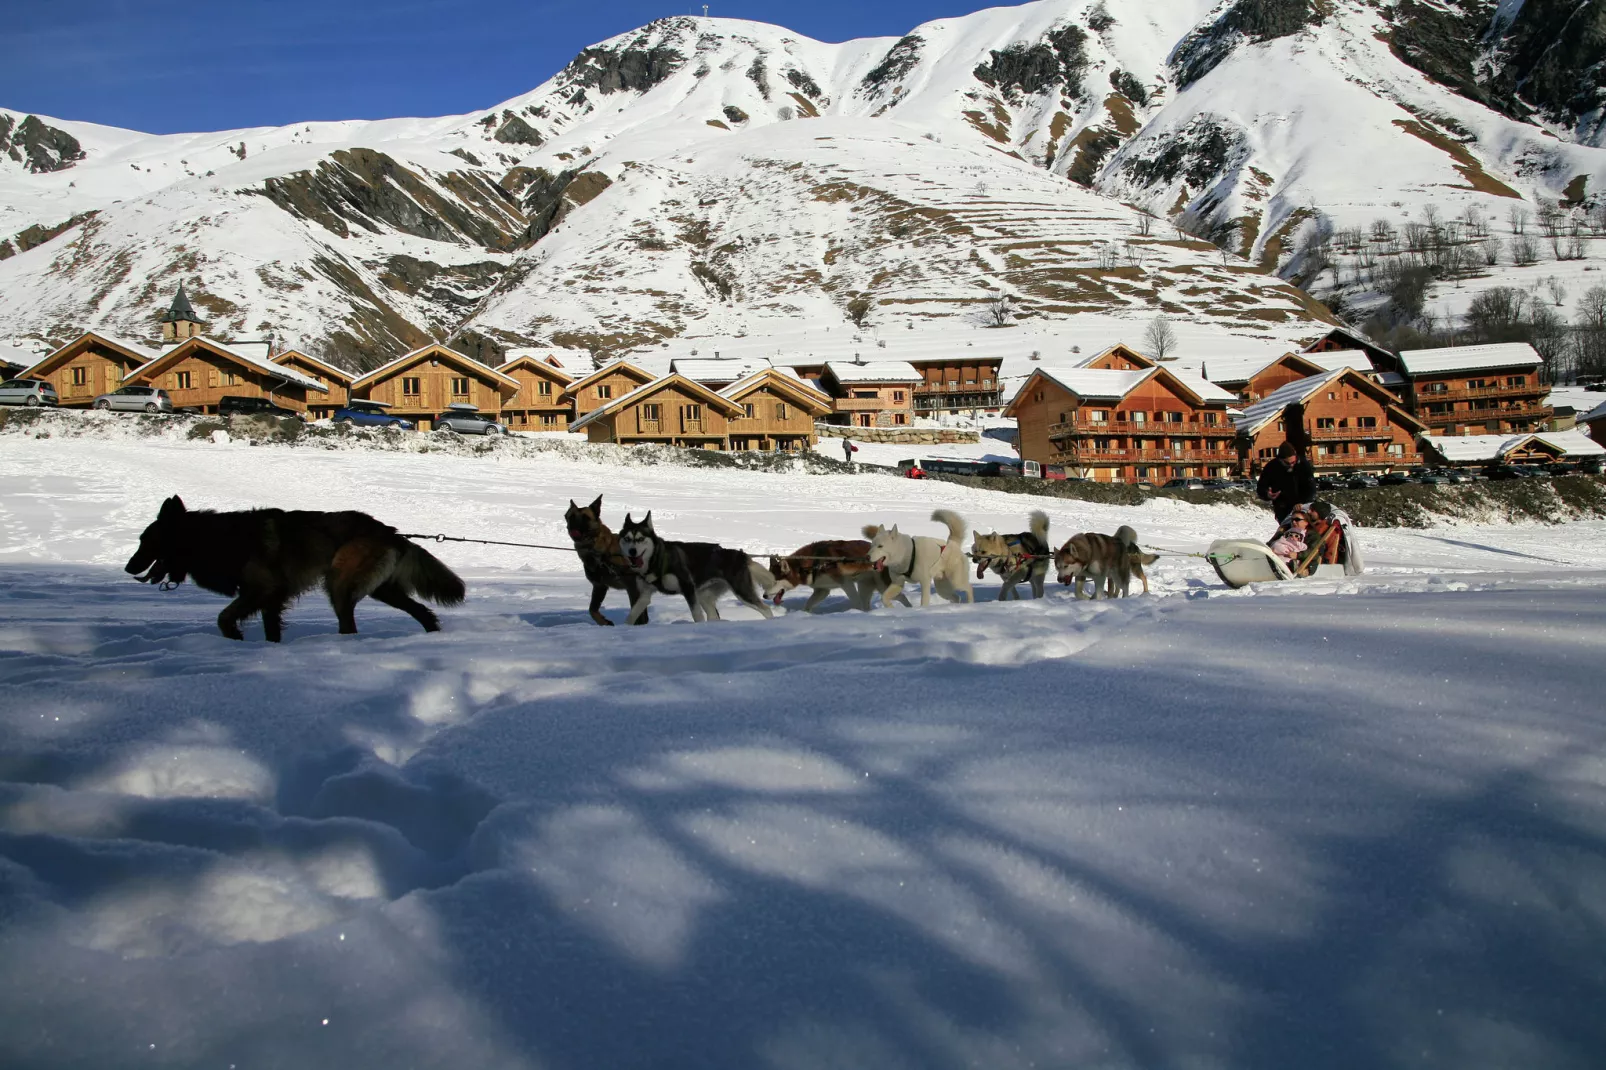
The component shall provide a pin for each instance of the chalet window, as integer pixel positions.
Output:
(691, 413)
(80, 376)
(897, 397)
(1516, 380)
(864, 393)
(986, 382)
(460, 387)
(1173, 417)
(1396, 448)
(1210, 418)
(1436, 388)
(183, 380)
(780, 410)
(1098, 415)
(411, 386)
(953, 382)
(970, 382)
(1038, 396)
(1140, 417)
(651, 411)
(1366, 421)
(230, 379)
(747, 410)
(1371, 447)
(543, 388)
(899, 419)
(549, 419)
(1321, 451)
(1332, 395)
(604, 391)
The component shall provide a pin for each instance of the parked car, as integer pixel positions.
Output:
(362, 413)
(1331, 482)
(1458, 475)
(135, 399)
(1534, 471)
(1361, 481)
(1592, 466)
(468, 422)
(29, 392)
(1394, 479)
(1430, 476)
(1560, 468)
(1185, 483)
(239, 405)
(1503, 471)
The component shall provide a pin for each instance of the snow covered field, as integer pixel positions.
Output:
(1357, 823)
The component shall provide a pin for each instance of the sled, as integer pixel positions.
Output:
(1240, 562)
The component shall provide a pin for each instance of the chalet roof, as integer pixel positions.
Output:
(1571, 443)
(1202, 388)
(873, 371)
(1140, 359)
(1334, 359)
(1597, 413)
(1097, 384)
(250, 360)
(1470, 448)
(720, 370)
(345, 377)
(623, 367)
(134, 352)
(180, 310)
(784, 380)
(534, 358)
(1468, 358)
(466, 362)
(641, 393)
(1355, 338)
(18, 356)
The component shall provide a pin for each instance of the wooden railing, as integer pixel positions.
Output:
(1472, 416)
(1464, 392)
(1351, 434)
(1131, 456)
(1142, 430)
(863, 404)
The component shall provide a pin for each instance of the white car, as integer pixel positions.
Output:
(135, 399)
(30, 392)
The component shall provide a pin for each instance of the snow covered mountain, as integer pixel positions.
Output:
(713, 176)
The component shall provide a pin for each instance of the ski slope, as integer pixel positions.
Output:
(1354, 823)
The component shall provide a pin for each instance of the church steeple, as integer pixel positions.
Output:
(180, 323)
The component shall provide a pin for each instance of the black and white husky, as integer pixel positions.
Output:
(700, 571)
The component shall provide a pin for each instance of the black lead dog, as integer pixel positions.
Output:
(701, 571)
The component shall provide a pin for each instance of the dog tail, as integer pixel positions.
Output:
(1142, 558)
(870, 530)
(1126, 537)
(422, 573)
(955, 522)
(1040, 526)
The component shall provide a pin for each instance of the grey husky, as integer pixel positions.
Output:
(699, 571)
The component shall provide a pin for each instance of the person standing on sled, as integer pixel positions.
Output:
(1289, 480)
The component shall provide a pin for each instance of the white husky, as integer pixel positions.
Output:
(899, 558)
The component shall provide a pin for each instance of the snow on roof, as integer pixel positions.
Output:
(249, 356)
(1204, 388)
(1262, 412)
(1597, 413)
(1335, 359)
(1468, 358)
(874, 371)
(1571, 443)
(620, 403)
(1465, 448)
(790, 377)
(718, 369)
(296, 354)
(22, 354)
(1097, 382)
(1391, 379)
(1234, 369)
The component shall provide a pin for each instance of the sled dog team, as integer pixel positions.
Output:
(263, 559)
(641, 562)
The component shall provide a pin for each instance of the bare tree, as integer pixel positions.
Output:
(1145, 222)
(1517, 216)
(1107, 256)
(1491, 251)
(1160, 337)
(999, 311)
(1557, 289)
(1383, 231)
(1524, 250)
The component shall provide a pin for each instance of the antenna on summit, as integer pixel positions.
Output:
(705, 11)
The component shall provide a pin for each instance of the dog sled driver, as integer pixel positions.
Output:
(1289, 480)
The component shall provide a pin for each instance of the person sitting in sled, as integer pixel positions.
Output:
(1323, 529)
(1290, 542)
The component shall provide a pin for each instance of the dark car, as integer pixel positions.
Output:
(238, 405)
(1184, 483)
(468, 421)
(1504, 471)
(1533, 471)
(1593, 466)
(1430, 476)
(360, 413)
(1394, 479)
(1331, 482)
(1361, 481)
(1560, 468)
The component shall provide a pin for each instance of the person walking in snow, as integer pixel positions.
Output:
(1289, 480)
(848, 450)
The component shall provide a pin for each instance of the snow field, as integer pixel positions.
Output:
(1257, 828)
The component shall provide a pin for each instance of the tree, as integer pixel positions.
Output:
(859, 310)
(998, 310)
(1517, 216)
(1589, 332)
(1160, 338)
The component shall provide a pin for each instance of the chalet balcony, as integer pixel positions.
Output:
(1475, 416)
(863, 404)
(929, 401)
(1141, 430)
(1133, 456)
(1351, 434)
(1462, 393)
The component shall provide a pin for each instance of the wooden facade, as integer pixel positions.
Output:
(1340, 421)
(958, 384)
(1121, 358)
(1594, 423)
(778, 412)
(1342, 338)
(1502, 395)
(672, 411)
(422, 384)
(607, 384)
(198, 372)
(1123, 426)
(867, 396)
(88, 366)
(336, 380)
(542, 402)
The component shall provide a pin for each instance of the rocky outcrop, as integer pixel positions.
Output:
(1059, 59)
(899, 61)
(1247, 20)
(634, 68)
(38, 234)
(37, 145)
(515, 131)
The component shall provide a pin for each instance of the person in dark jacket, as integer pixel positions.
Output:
(1289, 480)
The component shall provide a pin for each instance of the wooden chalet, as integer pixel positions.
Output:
(1123, 426)
(337, 381)
(878, 393)
(422, 384)
(1254, 378)
(1344, 338)
(778, 412)
(199, 371)
(1341, 420)
(1540, 448)
(962, 383)
(1594, 422)
(1120, 358)
(1469, 390)
(607, 384)
(542, 402)
(672, 411)
(88, 366)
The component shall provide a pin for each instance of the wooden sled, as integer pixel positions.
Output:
(1240, 562)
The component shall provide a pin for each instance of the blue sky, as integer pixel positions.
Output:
(166, 66)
